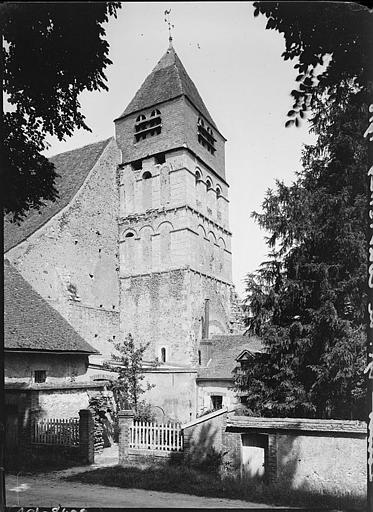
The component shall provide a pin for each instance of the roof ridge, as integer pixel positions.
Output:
(178, 71)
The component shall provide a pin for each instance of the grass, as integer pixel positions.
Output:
(186, 480)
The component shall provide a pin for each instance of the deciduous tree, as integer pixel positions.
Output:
(51, 53)
(128, 387)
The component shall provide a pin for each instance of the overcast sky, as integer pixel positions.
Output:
(237, 67)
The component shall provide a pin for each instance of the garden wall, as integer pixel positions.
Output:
(320, 456)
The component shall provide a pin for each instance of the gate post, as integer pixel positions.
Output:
(125, 420)
(86, 436)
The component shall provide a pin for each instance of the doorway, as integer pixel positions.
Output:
(254, 448)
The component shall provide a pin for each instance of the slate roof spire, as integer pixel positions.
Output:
(167, 81)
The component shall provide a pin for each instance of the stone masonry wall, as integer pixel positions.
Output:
(321, 456)
(166, 309)
(73, 261)
(179, 128)
(174, 394)
(60, 368)
(209, 433)
(326, 463)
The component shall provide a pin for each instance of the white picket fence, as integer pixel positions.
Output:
(56, 431)
(153, 436)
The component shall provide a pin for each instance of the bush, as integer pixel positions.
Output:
(144, 412)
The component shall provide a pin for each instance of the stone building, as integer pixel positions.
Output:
(45, 361)
(219, 357)
(139, 240)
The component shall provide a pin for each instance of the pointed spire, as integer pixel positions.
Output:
(168, 80)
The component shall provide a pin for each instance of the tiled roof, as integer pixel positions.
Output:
(73, 168)
(224, 351)
(30, 323)
(168, 80)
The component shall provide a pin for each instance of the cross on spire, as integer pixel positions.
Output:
(170, 25)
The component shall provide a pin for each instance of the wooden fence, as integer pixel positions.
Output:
(152, 436)
(63, 432)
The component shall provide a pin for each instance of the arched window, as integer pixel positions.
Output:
(206, 136)
(163, 355)
(199, 357)
(148, 127)
(218, 192)
(198, 177)
(208, 184)
(147, 190)
(129, 252)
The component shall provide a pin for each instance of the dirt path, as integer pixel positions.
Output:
(29, 491)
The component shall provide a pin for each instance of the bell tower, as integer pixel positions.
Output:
(174, 238)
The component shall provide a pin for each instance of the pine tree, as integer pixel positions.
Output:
(307, 301)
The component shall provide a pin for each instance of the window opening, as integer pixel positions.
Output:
(216, 402)
(208, 184)
(206, 136)
(218, 192)
(40, 376)
(199, 358)
(163, 355)
(129, 235)
(198, 177)
(147, 175)
(137, 166)
(160, 158)
(148, 127)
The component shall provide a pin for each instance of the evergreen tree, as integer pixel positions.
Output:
(307, 301)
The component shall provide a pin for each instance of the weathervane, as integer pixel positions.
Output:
(167, 20)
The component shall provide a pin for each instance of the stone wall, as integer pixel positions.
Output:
(173, 223)
(51, 400)
(73, 260)
(208, 388)
(25, 405)
(179, 129)
(321, 456)
(60, 368)
(174, 394)
(208, 433)
(166, 309)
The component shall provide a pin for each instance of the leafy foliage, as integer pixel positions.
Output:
(52, 52)
(307, 301)
(312, 32)
(144, 412)
(128, 387)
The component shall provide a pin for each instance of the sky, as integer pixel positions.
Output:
(237, 67)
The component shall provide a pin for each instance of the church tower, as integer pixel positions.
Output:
(174, 238)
